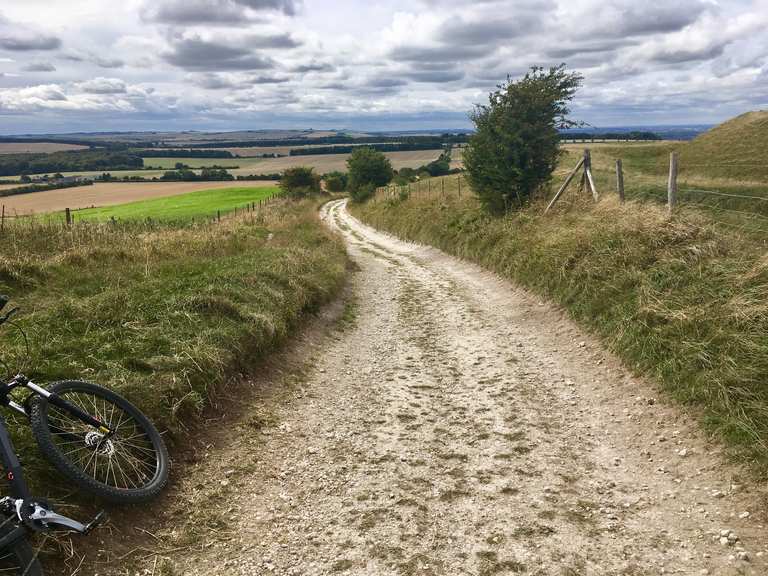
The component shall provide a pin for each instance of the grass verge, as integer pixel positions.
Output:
(203, 203)
(163, 315)
(682, 300)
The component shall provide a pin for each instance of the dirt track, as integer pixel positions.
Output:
(109, 194)
(461, 427)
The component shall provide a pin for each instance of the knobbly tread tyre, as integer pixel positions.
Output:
(42, 433)
(25, 555)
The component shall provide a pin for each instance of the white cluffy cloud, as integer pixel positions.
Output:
(218, 64)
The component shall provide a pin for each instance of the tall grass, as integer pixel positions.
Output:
(162, 314)
(682, 300)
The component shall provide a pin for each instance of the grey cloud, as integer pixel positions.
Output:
(215, 82)
(274, 41)
(103, 86)
(441, 53)
(19, 38)
(191, 12)
(644, 19)
(288, 7)
(314, 67)
(108, 62)
(679, 56)
(196, 54)
(39, 67)
(212, 12)
(268, 80)
(385, 82)
(486, 31)
(566, 50)
(435, 76)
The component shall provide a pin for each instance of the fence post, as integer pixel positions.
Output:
(458, 179)
(68, 216)
(218, 215)
(2, 221)
(442, 188)
(620, 180)
(672, 183)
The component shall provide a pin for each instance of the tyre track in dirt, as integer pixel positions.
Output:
(460, 426)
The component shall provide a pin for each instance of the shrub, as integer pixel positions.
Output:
(300, 181)
(368, 169)
(336, 181)
(362, 193)
(516, 145)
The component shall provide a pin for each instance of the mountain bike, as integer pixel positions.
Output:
(94, 437)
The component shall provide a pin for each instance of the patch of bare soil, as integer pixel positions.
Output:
(458, 427)
(110, 194)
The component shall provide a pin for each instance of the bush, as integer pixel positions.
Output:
(300, 181)
(362, 193)
(516, 145)
(368, 169)
(336, 181)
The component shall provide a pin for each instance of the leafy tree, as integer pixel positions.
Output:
(368, 169)
(515, 148)
(336, 181)
(300, 181)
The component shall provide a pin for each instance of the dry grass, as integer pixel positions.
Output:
(680, 299)
(164, 315)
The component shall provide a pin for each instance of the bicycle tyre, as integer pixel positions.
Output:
(48, 438)
(20, 559)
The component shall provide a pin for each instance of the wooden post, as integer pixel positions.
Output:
(565, 185)
(68, 216)
(2, 221)
(458, 179)
(620, 180)
(442, 187)
(218, 215)
(672, 183)
(588, 173)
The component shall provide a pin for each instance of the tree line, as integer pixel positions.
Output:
(71, 161)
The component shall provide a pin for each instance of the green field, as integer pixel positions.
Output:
(183, 206)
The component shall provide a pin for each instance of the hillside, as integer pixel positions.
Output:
(737, 148)
(734, 150)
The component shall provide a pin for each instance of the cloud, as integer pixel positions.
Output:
(314, 66)
(39, 67)
(20, 38)
(213, 12)
(435, 76)
(196, 54)
(458, 30)
(439, 53)
(103, 86)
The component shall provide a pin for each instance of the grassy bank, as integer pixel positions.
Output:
(682, 300)
(164, 315)
(203, 203)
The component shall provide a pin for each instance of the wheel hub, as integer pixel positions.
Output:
(96, 441)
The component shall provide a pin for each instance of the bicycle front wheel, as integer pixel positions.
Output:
(130, 465)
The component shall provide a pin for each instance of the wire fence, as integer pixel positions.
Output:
(735, 203)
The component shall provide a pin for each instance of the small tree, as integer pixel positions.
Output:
(368, 169)
(300, 181)
(336, 181)
(516, 145)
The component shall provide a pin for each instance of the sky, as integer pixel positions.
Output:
(104, 65)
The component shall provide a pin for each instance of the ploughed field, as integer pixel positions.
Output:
(109, 194)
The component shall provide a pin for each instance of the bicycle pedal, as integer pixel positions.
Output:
(100, 518)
